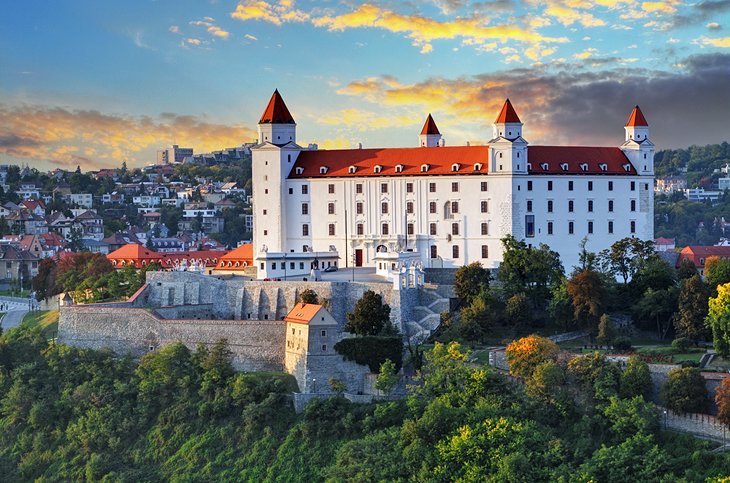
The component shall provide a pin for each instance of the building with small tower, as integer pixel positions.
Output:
(441, 206)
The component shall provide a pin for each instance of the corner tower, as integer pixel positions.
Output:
(272, 161)
(508, 150)
(637, 146)
(430, 136)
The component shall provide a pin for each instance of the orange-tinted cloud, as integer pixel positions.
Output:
(91, 138)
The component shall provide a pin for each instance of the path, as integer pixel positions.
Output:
(15, 310)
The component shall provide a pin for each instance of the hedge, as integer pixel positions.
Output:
(372, 350)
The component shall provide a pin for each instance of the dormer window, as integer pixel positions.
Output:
(323, 169)
(424, 168)
(529, 166)
(544, 166)
(564, 166)
(603, 166)
(398, 168)
(352, 169)
(584, 167)
(377, 168)
(627, 167)
(455, 167)
(299, 170)
(477, 166)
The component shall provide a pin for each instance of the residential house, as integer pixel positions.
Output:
(81, 200)
(698, 255)
(28, 191)
(90, 224)
(17, 264)
(37, 207)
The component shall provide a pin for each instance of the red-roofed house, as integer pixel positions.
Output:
(699, 254)
(664, 244)
(237, 261)
(450, 205)
(139, 256)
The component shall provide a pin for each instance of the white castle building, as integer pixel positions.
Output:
(442, 206)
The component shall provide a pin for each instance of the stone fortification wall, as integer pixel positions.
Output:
(256, 345)
(192, 312)
(440, 276)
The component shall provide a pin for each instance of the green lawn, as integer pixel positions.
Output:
(15, 293)
(46, 319)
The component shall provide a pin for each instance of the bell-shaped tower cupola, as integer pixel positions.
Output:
(430, 136)
(277, 125)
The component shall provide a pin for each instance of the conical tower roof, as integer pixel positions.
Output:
(430, 126)
(276, 111)
(636, 118)
(507, 114)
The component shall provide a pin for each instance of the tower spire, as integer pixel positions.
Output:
(636, 118)
(276, 111)
(430, 136)
(507, 114)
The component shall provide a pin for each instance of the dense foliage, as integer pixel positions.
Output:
(372, 350)
(80, 415)
(370, 316)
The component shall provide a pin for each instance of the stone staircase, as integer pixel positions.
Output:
(432, 301)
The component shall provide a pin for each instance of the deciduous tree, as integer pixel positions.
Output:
(471, 280)
(589, 298)
(718, 318)
(693, 305)
(685, 391)
(722, 400)
(525, 354)
(717, 272)
(606, 330)
(636, 379)
(370, 315)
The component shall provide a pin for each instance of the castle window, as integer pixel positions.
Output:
(432, 229)
(305, 230)
(324, 347)
(432, 187)
(409, 187)
(377, 168)
(454, 207)
(384, 208)
(590, 206)
(454, 228)
(330, 208)
(273, 265)
(331, 189)
(266, 232)
(434, 251)
(603, 166)
(288, 158)
(301, 265)
(305, 208)
(323, 170)
(485, 228)
(584, 166)
(571, 227)
(633, 186)
(324, 332)
(305, 189)
(627, 167)
(550, 228)
(633, 205)
(590, 227)
(633, 226)
(570, 206)
(550, 206)
(331, 228)
(432, 207)
(352, 169)
(360, 229)
(550, 185)
(424, 168)
(358, 208)
(409, 207)
(645, 156)
(529, 186)
(484, 186)
(529, 226)
(484, 206)
(610, 227)
(455, 187)
(500, 155)
(477, 166)
(485, 251)
(385, 229)
(590, 186)
(529, 206)
(384, 187)
(358, 188)
(570, 186)
(544, 166)
(455, 251)
(610, 206)
(610, 186)
(409, 228)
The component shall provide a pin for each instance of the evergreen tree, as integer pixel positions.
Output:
(370, 316)
(689, 320)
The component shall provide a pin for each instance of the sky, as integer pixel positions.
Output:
(95, 83)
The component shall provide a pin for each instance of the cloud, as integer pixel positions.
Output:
(713, 26)
(212, 28)
(427, 49)
(589, 52)
(422, 30)
(193, 41)
(701, 12)
(568, 16)
(572, 106)
(718, 42)
(250, 37)
(174, 29)
(363, 120)
(68, 137)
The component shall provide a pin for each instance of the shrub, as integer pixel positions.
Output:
(372, 351)
(682, 344)
(685, 391)
(622, 344)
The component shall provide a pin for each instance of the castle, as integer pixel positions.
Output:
(442, 207)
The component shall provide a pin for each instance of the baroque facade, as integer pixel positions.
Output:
(449, 206)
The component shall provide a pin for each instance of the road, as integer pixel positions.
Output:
(15, 309)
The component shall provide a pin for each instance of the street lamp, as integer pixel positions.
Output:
(665, 419)
(314, 385)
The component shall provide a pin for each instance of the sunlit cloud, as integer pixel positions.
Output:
(717, 42)
(277, 14)
(211, 27)
(568, 16)
(250, 37)
(67, 137)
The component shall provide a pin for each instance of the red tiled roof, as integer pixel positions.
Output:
(302, 313)
(574, 156)
(507, 114)
(663, 241)
(637, 118)
(137, 253)
(430, 126)
(698, 254)
(133, 251)
(276, 111)
(242, 254)
(439, 161)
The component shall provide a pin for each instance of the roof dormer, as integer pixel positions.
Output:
(455, 167)
(352, 169)
(323, 169)
(564, 166)
(477, 166)
(398, 168)
(377, 169)
(424, 168)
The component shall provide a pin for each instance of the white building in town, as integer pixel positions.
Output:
(442, 206)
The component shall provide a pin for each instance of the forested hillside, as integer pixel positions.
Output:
(698, 161)
(81, 415)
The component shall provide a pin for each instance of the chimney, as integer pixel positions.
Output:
(359, 145)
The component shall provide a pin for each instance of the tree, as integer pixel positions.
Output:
(657, 307)
(717, 272)
(718, 318)
(606, 331)
(589, 295)
(337, 386)
(518, 310)
(470, 280)
(722, 400)
(636, 379)
(638, 458)
(693, 300)
(685, 391)
(387, 377)
(525, 354)
(627, 417)
(475, 318)
(687, 269)
(561, 305)
(529, 270)
(626, 256)
(44, 283)
(370, 315)
(546, 382)
(308, 296)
